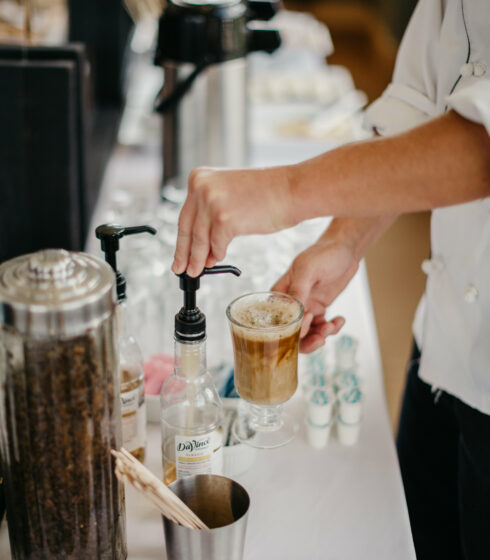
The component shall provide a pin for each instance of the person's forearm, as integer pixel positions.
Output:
(359, 233)
(441, 163)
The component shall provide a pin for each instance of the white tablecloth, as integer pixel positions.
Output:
(339, 503)
(342, 503)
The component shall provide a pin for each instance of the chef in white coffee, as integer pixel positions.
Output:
(433, 153)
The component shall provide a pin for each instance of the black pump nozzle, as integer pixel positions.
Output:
(109, 235)
(190, 322)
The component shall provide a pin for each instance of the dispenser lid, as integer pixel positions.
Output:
(55, 293)
(198, 32)
(190, 322)
(206, 2)
(203, 32)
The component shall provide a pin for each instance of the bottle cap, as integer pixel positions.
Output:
(190, 321)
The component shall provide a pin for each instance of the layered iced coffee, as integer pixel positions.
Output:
(265, 330)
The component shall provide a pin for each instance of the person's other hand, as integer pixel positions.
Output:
(316, 277)
(224, 203)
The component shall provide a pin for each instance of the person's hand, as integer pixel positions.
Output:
(222, 204)
(316, 277)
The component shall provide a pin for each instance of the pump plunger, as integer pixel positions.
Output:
(109, 235)
(190, 322)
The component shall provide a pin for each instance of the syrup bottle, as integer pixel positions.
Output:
(191, 418)
(133, 408)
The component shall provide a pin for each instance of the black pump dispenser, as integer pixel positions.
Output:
(203, 33)
(109, 235)
(190, 322)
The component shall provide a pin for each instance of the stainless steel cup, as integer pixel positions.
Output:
(223, 505)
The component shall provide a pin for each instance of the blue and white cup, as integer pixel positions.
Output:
(317, 436)
(314, 381)
(345, 352)
(346, 380)
(350, 401)
(320, 405)
(348, 434)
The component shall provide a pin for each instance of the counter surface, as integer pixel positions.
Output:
(337, 503)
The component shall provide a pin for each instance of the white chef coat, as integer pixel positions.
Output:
(444, 63)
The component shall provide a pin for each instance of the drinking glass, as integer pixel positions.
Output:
(265, 328)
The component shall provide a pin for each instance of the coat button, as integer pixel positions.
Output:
(466, 70)
(434, 264)
(426, 266)
(470, 293)
(438, 263)
(477, 69)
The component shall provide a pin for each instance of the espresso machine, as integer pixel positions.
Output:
(202, 47)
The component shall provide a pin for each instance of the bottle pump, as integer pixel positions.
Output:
(130, 357)
(191, 408)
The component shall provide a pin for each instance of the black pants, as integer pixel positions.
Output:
(444, 453)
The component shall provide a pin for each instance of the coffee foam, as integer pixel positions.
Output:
(272, 313)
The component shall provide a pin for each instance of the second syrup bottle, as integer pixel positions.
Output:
(133, 409)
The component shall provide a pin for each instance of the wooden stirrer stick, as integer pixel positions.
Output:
(129, 469)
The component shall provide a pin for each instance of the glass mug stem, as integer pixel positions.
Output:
(266, 417)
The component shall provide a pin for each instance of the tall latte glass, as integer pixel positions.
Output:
(265, 329)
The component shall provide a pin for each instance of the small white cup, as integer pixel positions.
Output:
(350, 403)
(237, 459)
(348, 434)
(320, 406)
(345, 352)
(317, 436)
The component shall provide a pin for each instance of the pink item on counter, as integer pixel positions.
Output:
(157, 368)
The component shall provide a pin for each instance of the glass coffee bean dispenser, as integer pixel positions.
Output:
(60, 407)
